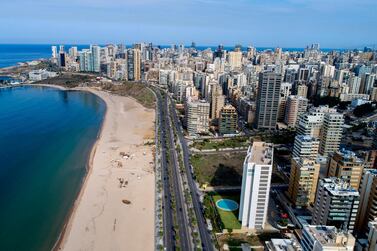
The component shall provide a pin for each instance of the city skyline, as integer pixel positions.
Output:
(290, 23)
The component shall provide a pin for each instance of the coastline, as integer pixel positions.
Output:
(74, 219)
(69, 240)
(67, 221)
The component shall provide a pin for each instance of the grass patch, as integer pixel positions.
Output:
(224, 143)
(220, 169)
(229, 219)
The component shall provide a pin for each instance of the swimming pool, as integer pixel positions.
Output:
(227, 205)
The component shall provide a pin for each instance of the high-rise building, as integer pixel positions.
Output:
(336, 204)
(305, 147)
(295, 106)
(54, 52)
(62, 57)
(73, 52)
(302, 91)
(197, 116)
(285, 92)
(268, 100)
(235, 59)
(368, 199)
(326, 238)
(228, 120)
(134, 64)
(303, 181)
(331, 133)
(217, 101)
(86, 60)
(95, 57)
(372, 236)
(256, 179)
(310, 124)
(90, 59)
(346, 165)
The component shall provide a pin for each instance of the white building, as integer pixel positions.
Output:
(305, 146)
(38, 75)
(197, 116)
(256, 179)
(321, 238)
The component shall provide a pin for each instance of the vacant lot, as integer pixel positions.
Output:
(67, 80)
(138, 91)
(224, 143)
(220, 169)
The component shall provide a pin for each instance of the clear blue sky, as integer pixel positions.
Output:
(285, 23)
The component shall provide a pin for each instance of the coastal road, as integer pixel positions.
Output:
(169, 156)
(205, 234)
(169, 236)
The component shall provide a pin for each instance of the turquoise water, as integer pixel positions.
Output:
(227, 205)
(46, 136)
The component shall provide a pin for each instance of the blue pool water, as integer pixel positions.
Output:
(227, 205)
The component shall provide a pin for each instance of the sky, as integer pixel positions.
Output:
(269, 23)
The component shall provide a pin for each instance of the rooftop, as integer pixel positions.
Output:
(261, 153)
(329, 235)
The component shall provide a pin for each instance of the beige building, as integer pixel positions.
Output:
(302, 91)
(217, 101)
(346, 165)
(368, 199)
(235, 59)
(303, 181)
(331, 133)
(295, 106)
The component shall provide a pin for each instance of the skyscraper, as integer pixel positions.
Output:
(346, 165)
(305, 147)
(336, 204)
(303, 181)
(368, 199)
(235, 59)
(256, 179)
(197, 117)
(268, 100)
(331, 133)
(134, 64)
(228, 120)
(217, 101)
(295, 106)
(95, 57)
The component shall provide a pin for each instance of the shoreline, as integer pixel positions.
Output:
(75, 214)
(67, 221)
(89, 167)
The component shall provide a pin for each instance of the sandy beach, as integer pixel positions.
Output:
(115, 209)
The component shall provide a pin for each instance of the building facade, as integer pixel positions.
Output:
(256, 179)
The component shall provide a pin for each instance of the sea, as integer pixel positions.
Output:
(11, 54)
(46, 136)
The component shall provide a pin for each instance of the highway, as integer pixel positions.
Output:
(169, 236)
(172, 180)
(205, 234)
